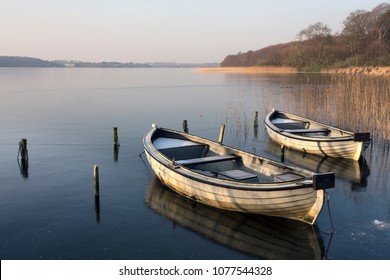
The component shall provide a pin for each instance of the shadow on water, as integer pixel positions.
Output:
(23, 167)
(255, 235)
(97, 208)
(22, 158)
(116, 152)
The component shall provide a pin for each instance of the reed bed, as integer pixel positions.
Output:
(353, 103)
(250, 70)
(238, 119)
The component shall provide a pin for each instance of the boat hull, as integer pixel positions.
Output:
(345, 149)
(308, 136)
(288, 199)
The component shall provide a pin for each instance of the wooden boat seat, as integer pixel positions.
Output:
(277, 121)
(282, 123)
(239, 175)
(309, 130)
(164, 143)
(288, 176)
(202, 160)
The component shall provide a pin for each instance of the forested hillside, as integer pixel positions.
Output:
(364, 40)
(17, 61)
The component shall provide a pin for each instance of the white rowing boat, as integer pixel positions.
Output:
(308, 136)
(227, 178)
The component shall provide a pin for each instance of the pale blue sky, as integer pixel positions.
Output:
(159, 30)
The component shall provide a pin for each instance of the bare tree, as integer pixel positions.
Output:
(319, 36)
(380, 21)
(356, 29)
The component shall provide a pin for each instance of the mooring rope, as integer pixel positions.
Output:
(330, 214)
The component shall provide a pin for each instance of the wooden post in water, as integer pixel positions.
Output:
(256, 124)
(96, 179)
(115, 136)
(282, 153)
(96, 192)
(116, 142)
(185, 126)
(23, 152)
(97, 208)
(221, 133)
(256, 119)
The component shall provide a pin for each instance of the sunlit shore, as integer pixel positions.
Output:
(254, 69)
(368, 70)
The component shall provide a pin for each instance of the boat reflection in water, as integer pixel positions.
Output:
(260, 236)
(351, 170)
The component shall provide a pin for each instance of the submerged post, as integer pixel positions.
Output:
(115, 136)
(185, 126)
(96, 179)
(97, 208)
(96, 192)
(116, 152)
(221, 133)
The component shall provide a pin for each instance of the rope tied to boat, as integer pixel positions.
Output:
(332, 231)
(330, 214)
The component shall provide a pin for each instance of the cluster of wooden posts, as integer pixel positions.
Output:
(23, 161)
(96, 174)
(23, 158)
(222, 128)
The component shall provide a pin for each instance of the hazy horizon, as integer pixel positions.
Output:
(159, 31)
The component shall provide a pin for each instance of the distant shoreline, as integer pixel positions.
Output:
(23, 61)
(368, 70)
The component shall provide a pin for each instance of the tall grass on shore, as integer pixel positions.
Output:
(355, 103)
(351, 102)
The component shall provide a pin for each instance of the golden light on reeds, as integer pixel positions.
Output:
(354, 103)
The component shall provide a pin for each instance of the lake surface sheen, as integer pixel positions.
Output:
(48, 210)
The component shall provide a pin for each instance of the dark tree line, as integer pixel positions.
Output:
(16, 61)
(364, 40)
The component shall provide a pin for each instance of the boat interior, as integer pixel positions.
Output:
(300, 127)
(304, 127)
(212, 162)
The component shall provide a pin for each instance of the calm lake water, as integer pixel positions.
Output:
(48, 210)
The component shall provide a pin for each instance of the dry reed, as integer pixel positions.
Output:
(355, 103)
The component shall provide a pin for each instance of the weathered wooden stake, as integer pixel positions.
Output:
(23, 152)
(185, 126)
(221, 133)
(115, 136)
(282, 153)
(96, 179)
(256, 119)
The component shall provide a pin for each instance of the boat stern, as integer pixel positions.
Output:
(323, 181)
